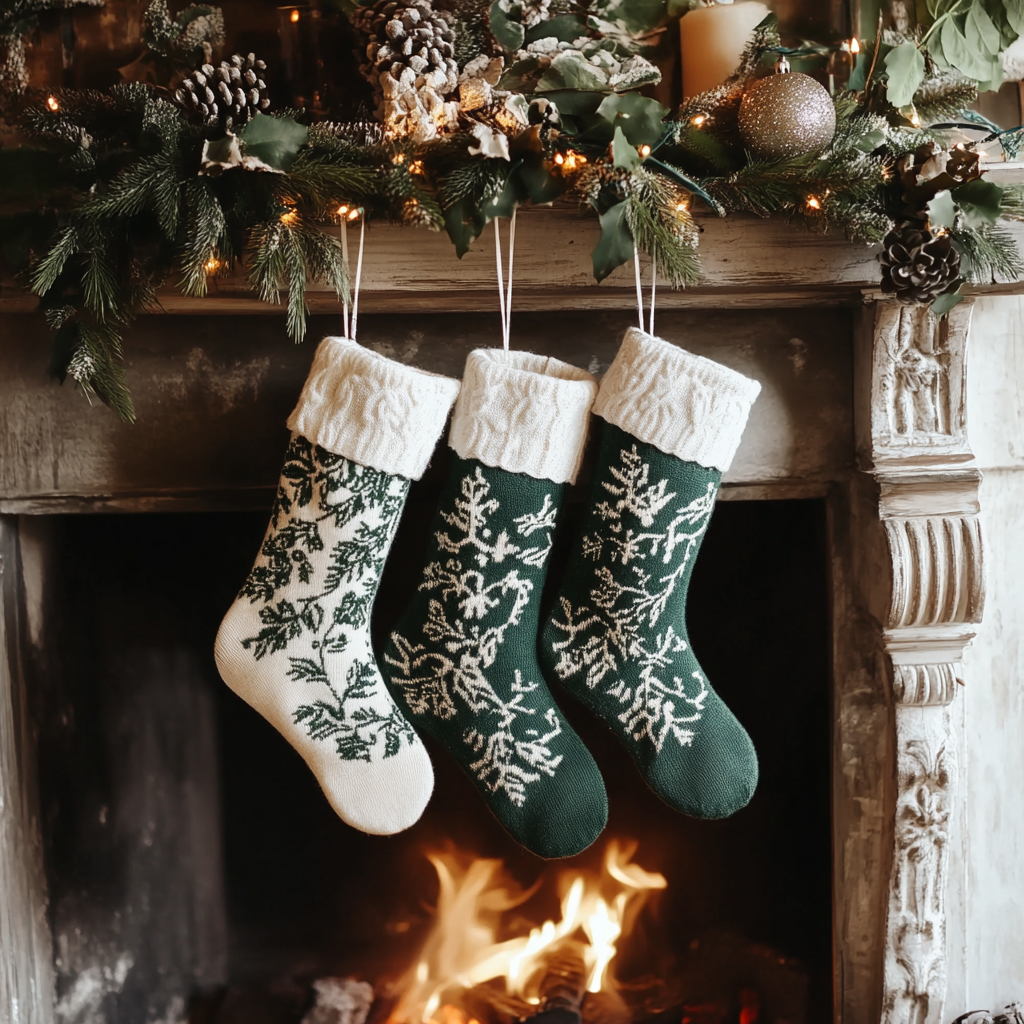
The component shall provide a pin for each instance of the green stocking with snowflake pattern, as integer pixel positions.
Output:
(295, 645)
(617, 638)
(462, 661)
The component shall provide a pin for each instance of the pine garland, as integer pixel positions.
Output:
(141, 198)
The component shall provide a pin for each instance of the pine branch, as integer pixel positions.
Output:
(662, 227)
(987, 254)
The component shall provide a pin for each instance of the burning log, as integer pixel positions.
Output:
(563, 989)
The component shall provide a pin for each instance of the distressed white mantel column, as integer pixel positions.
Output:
(917, 450)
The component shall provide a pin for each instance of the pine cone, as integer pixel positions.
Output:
(224, 98)
(918, 266)
(410, 61)
(930, 170)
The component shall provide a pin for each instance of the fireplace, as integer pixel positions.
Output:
(187, 842)
(171, 859)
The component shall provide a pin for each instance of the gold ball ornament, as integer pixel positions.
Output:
(787, 114)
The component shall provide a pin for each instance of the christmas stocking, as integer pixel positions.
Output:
(617, 636)
(295, 645)
(462, 661)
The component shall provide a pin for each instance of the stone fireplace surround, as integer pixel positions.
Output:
(927, 655)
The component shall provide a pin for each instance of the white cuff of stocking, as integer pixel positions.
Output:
(523, 413)
(372, 410)
(684, 405)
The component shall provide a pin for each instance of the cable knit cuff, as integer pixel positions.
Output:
(685, 405)
(372, 410)
(523, 413)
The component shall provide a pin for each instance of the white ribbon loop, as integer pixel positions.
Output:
(505, 301)
(349, 324)
(640, 290)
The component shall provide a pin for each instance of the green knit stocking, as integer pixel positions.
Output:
(462, 661)
(616, 638)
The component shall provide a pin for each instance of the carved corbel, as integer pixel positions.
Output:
(919, 455)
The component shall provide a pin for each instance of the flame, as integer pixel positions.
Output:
(854, 46)
(294, 16)
(53, 103)
(464, 949)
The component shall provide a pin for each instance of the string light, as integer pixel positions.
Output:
(682, 206)
(295, 16)
(570, 161)
(51, 102)
(416, 167)
(289, 217)
(645, 151)
(698, 119)
(213, 265)
(398, 158)
(813, 203)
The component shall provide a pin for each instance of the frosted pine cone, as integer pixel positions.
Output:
(410, 61)
(224, 98)
(918, 266)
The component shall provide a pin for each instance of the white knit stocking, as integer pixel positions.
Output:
(295, 645)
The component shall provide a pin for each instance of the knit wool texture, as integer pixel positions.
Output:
(295, 645)
(462, 661)
(616, 638)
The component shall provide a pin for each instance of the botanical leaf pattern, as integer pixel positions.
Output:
(315, 580)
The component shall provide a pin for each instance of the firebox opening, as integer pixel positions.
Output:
(186, 838)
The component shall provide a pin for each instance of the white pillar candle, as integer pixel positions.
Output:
(712, 41)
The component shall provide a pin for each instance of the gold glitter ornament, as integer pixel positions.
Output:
(787, 114)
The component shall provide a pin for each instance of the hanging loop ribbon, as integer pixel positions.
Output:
(348, 323)
(640, 291)
(505, 301)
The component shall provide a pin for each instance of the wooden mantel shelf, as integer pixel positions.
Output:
(748, 262)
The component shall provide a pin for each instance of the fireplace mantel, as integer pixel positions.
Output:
(875, 423)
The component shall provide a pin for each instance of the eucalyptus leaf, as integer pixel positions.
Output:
(1015, 15)
(639, 117)
(463, 224)
(981, 31)
(570, 71)
(509, 33)
(995, 79)
(520, 75)
(637, 16)
(565, 28)
(540, 184)
(624, 155)
(905, 65)
(942, 210)
(274, 140)
(980, 201)
(959, 53)
(615, 246)
(944, 303)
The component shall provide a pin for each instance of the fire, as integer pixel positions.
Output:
(465, 947)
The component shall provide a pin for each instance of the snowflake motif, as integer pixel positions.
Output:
(469, 616)
(627, 603)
